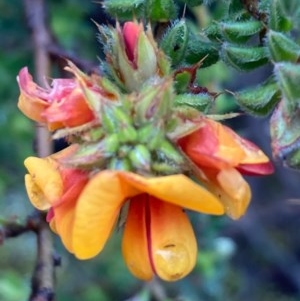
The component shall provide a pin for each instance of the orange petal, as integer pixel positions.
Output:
(172, 242)
(29, 103)
(71, 110)
(97, 209)
(238, 190)
(231, 189)
(64, 219)
(178, 190)
(212, 145)
(134, 244)
(45, 180)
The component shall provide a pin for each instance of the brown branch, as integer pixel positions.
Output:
(43, 275)
(13, 228)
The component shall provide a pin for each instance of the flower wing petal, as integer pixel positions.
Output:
(97, 209)
(135, 243)
(44, 176)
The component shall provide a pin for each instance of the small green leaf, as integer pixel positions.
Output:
(201, 101)
(244, 58)
(259, 100)
(278, 19)
(174, 42)
(240, 31)
(125, 9)
(288, 77)
(282, 48)
(160, 10)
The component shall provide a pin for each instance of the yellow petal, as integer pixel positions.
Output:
(231, 189)
(96, 212)
(35, 194)
(237, 190)
(134, 243)
(173, 244)
(64, 219)
(178, 190)
(45, 180)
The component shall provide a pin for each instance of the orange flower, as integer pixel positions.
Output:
(158, 238)
(51, 187)
(221, 155)
(62, 105)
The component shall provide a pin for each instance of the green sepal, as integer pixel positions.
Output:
(160, 10)
(119, 164)
(127, 134)
(182, 81)
(153, 103)
(244, 58)
(259, 100)
(282, 48)
(201, 101)
(125, 9)
(93, 135)
(278, 19)
(240, 31)
(174, 42)
(288, 77)
(165, 168)
(151, 135)
(140, 158)
(114, 117)
(91, 155)
(168, 152)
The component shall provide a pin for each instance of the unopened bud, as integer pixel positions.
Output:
(140, 157)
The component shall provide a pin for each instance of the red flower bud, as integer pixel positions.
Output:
(131, 32)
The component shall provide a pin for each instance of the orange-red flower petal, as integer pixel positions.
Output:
(217, 146)
(135, 240)
(178, 190)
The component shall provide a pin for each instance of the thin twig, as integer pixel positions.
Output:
(43, 275)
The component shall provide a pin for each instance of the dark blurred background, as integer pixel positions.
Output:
(255, 258)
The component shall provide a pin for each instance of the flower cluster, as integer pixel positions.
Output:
(133, 152)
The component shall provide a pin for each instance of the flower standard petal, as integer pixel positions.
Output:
(69, 111)
(178, 190)
(30, 101)
(172, 242)
(96, 212)
(135, 241)
(212, 145)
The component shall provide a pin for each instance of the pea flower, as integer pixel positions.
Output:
(50, 186)
(222, 155)
(134, 151)
(63, 105)
(158, 237)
